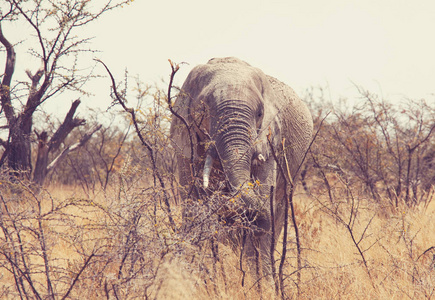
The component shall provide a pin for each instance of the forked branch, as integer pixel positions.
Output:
(175, 67)
(121, 101)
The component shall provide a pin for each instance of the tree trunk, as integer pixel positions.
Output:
(18, 148)
(45, 147)
(19, 151)
(41, 160)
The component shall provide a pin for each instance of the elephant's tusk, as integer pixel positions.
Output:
(207, 170)
(261, 158)
(258, 159)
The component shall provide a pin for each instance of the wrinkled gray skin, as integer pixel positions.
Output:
(233, 107)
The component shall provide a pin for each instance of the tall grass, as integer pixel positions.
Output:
(120, 245)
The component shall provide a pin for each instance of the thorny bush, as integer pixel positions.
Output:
(387, 150)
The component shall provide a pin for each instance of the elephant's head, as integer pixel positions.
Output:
(241, 114)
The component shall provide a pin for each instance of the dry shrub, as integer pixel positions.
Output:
(385, 149)
(354, 250)
(121, 244)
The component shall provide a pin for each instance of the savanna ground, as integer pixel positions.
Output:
(119, 244)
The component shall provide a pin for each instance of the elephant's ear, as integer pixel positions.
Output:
(179, 133)
(270, 124)
(181, 107)
(189, 105)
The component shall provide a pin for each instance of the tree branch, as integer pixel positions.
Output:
(72, 148)
(35, 26)
(67, 126)
(78, 275)
(5, 88)
(150, 149)
(10, 12)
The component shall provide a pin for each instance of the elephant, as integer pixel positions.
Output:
(234, 124)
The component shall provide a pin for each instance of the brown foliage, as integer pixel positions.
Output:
(385, 149)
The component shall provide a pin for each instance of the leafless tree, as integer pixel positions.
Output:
(55, 25)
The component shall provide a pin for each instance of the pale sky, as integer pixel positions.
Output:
(385, 46)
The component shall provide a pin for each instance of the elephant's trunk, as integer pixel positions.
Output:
(233, 130)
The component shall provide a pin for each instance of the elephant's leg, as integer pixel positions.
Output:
(267, 259)
(186, 191)
(257, 251)
(185, 176)
(251, 250)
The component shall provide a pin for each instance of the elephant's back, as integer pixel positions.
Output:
(288, 102)
(285, 94)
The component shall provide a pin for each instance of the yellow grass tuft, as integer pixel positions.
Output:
(351, 249)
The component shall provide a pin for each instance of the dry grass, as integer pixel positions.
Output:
(392, 244)
(133, 254)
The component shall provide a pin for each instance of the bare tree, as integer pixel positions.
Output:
(385, 148)
(55, 25)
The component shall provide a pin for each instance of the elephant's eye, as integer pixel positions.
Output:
(259, 118)
(259, 112)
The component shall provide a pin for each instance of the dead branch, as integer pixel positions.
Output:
(272, 244)
(74, 147)
(5, 87)
(288, 197)
(150, 149)
(175, 68)
(85, 264)
(68, 124)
